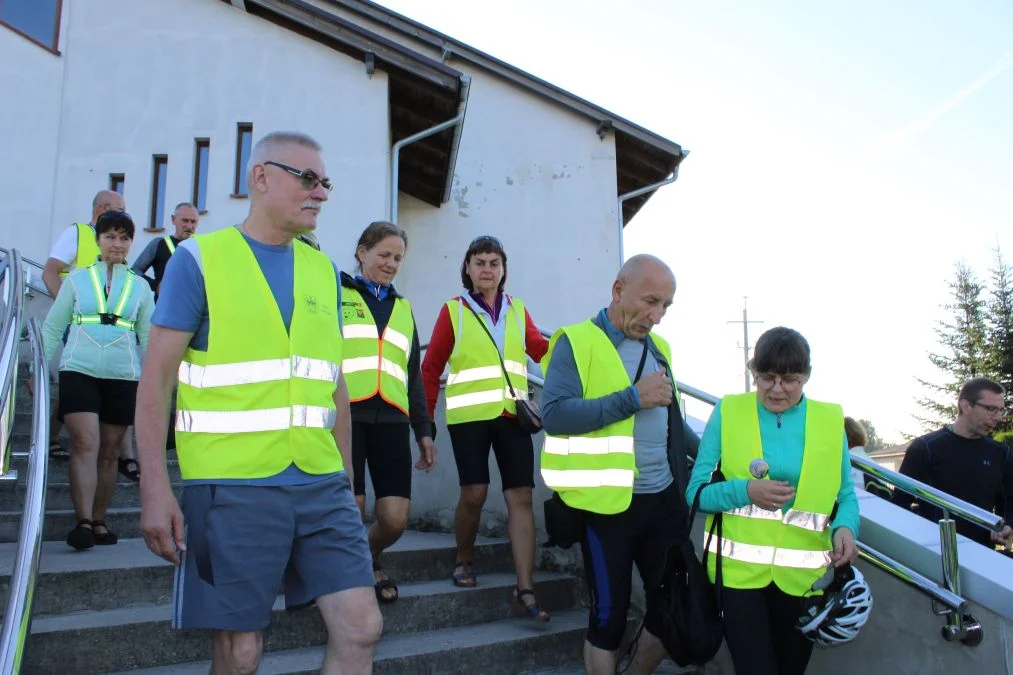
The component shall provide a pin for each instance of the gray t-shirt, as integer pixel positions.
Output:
(650, 427)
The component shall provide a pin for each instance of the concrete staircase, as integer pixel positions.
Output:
(106, 610)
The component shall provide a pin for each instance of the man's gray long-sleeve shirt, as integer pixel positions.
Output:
(565, 411)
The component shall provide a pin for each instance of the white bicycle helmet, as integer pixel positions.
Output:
(835, 617)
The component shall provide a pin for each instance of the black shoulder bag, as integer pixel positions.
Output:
(529, 417)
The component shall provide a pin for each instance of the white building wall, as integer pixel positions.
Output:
(538, 178)
(192, 68)
(30, 106)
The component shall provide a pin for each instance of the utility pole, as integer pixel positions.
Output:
(745, 340)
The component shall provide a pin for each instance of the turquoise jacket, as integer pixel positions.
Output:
(783, 437)
(99, 350)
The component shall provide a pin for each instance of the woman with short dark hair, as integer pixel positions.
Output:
(776, 465)
(107, 308)
(482, 333)
(381, 367)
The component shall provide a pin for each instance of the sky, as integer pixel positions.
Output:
(843, 158)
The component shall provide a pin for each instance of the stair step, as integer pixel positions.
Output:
(58, 496)
(125, 522)
(109, 640)
(59, 470)
(110, 577)
(503, 647)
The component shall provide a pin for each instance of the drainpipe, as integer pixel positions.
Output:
(457, 121)
(640, 191)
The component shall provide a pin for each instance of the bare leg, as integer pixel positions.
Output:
(466, 519)
(598, 661)
(111, 438)
(236, 653)
(391, 521)
(353, 625)
(650, 651)
(84, 433)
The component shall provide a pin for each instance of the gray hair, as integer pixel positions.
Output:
(181, 205)
(263, 149)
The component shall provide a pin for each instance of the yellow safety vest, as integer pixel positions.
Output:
(88, 251)
(168, 242)
(260, 398)
(101, 314)
(792, 549)
(373, 363)
(476, 388)
(595, 471)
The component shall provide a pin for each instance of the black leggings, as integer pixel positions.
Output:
(761, 633)
(612, 544)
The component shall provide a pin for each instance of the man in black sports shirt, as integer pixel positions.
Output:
(157, 253)
(964, 461)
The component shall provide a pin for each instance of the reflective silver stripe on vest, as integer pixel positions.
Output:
(359, 364)
(394, 371)
(588, 478)
(807, 520)
(256, 372)
(399, 340)
(240, 421)
(486, 373)
(582, 445)
(481, 397)
(768, 555)
(364, 331)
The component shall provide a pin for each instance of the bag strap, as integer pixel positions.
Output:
(717, 521)
(502, 364)
(643, 360)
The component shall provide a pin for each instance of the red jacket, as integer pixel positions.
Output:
(441, 344)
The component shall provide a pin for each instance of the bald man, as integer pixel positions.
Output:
(70, 247)
(615, 450)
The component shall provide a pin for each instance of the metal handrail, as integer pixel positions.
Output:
(30, 278)
(10, 340)
(916, 580)
(18, 614)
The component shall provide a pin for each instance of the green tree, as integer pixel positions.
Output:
(999, 329)
(875, 442)
(964, 349)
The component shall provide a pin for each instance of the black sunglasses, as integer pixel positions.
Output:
(486, 238)
(308, 178)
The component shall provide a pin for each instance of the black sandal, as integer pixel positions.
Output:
(131, 474)
(56, 451)
(384, 585)
(81, 537)
(465, 578)
(533, 610)
(107, 538)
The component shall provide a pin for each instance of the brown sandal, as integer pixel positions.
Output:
(465, 578)
(533, 609)
(383, 586)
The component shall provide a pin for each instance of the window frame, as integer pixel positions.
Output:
(51, 48)
(239, 189)
(159, 166)
(120, 178)
(198, 145)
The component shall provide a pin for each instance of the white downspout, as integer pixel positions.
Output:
(640, 191)
(395, 154)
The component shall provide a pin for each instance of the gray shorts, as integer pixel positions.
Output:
(245, 543)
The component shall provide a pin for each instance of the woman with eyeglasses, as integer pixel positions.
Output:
(388, 402)
(108, 309)
(481, 333)
(775, 464)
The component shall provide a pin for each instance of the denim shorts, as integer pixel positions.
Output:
(246, 544)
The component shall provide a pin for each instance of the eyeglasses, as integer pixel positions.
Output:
(485, 238)
(767, 380)
(307, 178)
(993, 410)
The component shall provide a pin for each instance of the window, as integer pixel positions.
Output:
(201, 155)
(37, 20)
(244, 143)
(116, 182)
(160, 167)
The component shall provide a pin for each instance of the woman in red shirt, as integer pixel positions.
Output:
(480, 407)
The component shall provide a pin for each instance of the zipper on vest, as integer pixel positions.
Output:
(778, 420)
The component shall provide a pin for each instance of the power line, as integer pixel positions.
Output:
(745, 339)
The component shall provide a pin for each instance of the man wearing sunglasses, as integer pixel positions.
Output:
(963, 460)
(263, 430)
